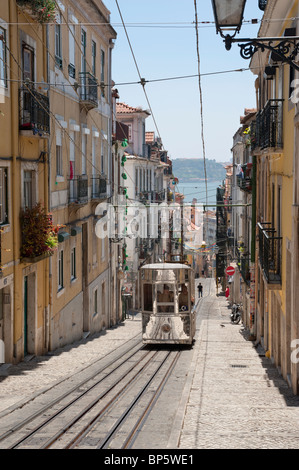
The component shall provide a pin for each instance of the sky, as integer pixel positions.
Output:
(163, 40)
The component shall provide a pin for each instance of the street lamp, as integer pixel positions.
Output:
(229, 16)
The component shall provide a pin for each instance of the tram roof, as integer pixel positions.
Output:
(166, 266)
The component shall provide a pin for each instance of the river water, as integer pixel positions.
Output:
(197, 189)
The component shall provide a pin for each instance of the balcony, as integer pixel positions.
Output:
(244, 181)
(270, 248)
(244, 267)
(99, 187)
(88, 91)
(267, 129)
(78, 190)
(34, 111)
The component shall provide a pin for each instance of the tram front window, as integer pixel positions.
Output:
(165, 299)
(183, 298)
(148, 297)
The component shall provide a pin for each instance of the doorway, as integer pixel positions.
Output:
(29, 303)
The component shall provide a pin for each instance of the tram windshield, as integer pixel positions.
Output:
(165, 298)
(183, 297)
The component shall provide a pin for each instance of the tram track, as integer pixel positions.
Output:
(90, 405)
(116, 361)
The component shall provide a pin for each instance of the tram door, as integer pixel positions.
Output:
(25, 313)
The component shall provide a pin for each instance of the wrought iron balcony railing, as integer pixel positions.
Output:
(270, 247)
(78, 189)
(88, 90)
(245, 181)
(99, 187)
(266, 131)
(34, 111)
(244, 267)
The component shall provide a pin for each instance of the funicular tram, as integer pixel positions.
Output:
(168, 314)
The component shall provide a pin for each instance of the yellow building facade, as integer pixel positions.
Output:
(57, 280)
(24, 160)
(274, 147)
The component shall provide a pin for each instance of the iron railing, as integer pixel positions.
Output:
(99, 187)
(244, 267)
(270, 247)
(266, 130)
(88, 89)
(34, 110)
(78, 189)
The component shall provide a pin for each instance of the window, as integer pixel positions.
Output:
(72, 68)
(84, 147)
(95, 301)
(28, 62)
(83, 51)
(60, 270)
(73, 263)
(59, 160)
(102, 70)
(58, 43)
(29, 199)
(3, 59)
(3, 196)
(102, 159)
(59, 170)
(93, 57)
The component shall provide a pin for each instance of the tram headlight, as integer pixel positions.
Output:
(166, 328)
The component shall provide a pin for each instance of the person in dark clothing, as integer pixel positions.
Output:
(199, 287)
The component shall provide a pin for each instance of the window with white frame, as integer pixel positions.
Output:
(3, 58)
(59, 168)
(58, 42)
(3, 196)
(29, 188)
(60, 270)
(93, 58)
(102, 71)
(72, 42)
(84, 149)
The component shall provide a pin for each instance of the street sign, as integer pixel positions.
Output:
(230, 270)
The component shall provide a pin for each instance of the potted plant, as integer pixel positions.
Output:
(43, 10)
(39, 234)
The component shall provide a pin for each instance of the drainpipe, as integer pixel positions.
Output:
(253, 210)
(15, 184)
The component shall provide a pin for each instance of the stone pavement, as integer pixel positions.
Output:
(19, 382)
(235, 397)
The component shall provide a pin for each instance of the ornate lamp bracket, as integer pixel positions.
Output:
(286, 49)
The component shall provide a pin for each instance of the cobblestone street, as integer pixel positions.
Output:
(233, 398)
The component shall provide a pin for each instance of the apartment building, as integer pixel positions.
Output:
(57, 280)
(275, 148)
(26, 227)
(144, 180)
(81, 175)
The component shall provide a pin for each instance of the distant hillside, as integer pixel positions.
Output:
(190, 169)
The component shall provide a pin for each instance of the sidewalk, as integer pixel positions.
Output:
(237, 399)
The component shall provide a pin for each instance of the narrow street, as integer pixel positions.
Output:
(222, 393)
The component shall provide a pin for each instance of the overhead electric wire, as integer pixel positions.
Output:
(141, 79)
(201, 98)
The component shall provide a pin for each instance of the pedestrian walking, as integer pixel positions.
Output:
(199, 287)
